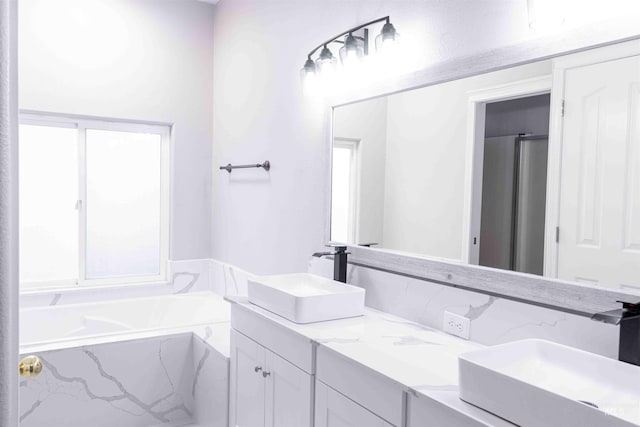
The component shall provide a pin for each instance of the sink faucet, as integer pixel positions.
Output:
(339, 261)
(628, 317)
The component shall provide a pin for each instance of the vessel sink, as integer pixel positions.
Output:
(306, 298)
(537, 383)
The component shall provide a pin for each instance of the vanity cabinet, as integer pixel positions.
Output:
(265, 389)
(448, 410)
(361, 385)
(335, 410)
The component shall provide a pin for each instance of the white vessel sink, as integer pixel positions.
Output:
(537, 383)
(306, 298)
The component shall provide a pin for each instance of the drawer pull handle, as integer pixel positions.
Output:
(257, 369)
(266, 374)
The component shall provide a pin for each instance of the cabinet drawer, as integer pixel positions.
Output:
(290, 346)
(448, 410)
(335, 410)
(367, 388)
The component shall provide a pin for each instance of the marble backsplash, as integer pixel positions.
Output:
(493, 320)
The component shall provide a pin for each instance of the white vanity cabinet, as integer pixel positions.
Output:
(362, 386)
(335, 410)
(265, 389)
(448, 410)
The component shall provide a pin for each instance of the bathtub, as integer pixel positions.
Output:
(138, 362)
(50, 327)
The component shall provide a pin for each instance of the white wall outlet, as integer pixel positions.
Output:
(457, 325)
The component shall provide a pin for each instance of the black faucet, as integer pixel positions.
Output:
(339, 261)
(628, 317)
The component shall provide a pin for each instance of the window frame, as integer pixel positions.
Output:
(82, 124)
(353, 145)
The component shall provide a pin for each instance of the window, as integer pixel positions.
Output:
(344, 190)
(94, 201)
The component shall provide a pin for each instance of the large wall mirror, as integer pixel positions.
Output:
(534, 169)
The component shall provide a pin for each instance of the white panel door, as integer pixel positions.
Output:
(247, 392)
(600, 178)
(332, 409)
(288, 394)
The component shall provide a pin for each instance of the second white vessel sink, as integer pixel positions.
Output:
(306, 298)
(537, 383)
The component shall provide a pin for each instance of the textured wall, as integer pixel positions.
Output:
(8, 215)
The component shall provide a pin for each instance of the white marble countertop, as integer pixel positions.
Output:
(423, 360)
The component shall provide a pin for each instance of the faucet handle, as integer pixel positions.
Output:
(630, 308)
(339, 247)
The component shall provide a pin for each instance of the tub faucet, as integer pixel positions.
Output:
(339, 261)
(628, 317)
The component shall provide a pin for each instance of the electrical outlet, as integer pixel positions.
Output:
(457, 325)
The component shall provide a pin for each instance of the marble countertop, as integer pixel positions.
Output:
(423, 360)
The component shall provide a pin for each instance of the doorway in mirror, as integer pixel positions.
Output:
(514, 177)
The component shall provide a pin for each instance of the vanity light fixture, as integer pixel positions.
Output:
(388, 37)
(326, 62)
(309, 78)
(352, 51)
(355, 47)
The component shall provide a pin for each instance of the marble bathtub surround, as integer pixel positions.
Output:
(210, 387)
(227, 279)
(171, 375)
(104, 385)
(184, 276)
(175, 380)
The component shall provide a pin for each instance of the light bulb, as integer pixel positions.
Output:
(388, 38)
(326, 64)
(351, 52)
(309, 79)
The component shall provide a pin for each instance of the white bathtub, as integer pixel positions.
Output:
(78, 324)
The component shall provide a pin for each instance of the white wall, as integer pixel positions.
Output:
(269, 223)
(148, 60)
(367, 122)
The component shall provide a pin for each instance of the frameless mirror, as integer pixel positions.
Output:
(534, 168)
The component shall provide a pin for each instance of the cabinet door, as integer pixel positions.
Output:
(247, 392)
(288, 394)
(335, 410)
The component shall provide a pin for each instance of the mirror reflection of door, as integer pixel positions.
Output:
(514, 183)
(599, 224)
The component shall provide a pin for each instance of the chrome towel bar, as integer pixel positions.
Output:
(266, 166)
